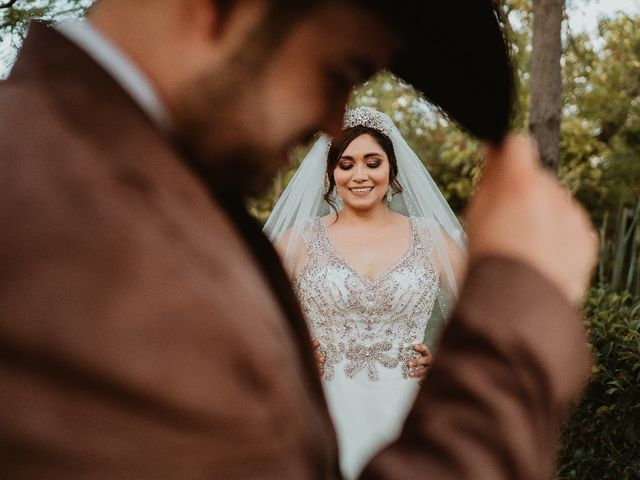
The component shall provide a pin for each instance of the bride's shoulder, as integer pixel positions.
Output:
(301, 231)
(424, 224)
(426, 229)
(328, 219)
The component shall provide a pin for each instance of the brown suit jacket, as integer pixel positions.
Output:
(147, 330)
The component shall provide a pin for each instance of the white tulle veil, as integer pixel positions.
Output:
(303, 199)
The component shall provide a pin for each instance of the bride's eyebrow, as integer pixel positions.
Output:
(366, 155)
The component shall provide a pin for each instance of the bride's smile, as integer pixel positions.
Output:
(360, 191)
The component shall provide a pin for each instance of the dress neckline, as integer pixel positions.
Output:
(365, 279)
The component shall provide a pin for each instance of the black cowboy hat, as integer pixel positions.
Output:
(456, 54)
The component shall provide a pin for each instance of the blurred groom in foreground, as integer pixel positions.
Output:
(147, 330)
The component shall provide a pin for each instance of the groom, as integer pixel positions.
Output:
(147, 330)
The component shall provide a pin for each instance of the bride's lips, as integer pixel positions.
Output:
(360, 191)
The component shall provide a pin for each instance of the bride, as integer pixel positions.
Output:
(375, 255)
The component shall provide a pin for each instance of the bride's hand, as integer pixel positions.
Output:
(422, 365)
(319, 356)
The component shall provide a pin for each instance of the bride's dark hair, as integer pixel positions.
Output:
(340, 143)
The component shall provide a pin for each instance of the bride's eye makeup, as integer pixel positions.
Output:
(348, 164)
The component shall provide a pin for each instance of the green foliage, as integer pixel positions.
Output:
(600, 146)
(619, 261)
(602, 438)
(601, 125)
(14, 20)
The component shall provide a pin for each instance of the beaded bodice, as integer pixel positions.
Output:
(363, 324)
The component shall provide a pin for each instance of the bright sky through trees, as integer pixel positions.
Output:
(583, 15)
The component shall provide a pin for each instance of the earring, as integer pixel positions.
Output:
(389, 196)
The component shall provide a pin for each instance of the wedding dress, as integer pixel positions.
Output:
(367, 329)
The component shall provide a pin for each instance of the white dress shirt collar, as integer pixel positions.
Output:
(119, 66)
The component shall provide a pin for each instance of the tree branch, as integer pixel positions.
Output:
(8, 4)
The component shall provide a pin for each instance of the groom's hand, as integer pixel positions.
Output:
(522, 211)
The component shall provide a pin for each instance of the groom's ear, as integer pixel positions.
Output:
(215, 31)
(274, 18)
(229, 19)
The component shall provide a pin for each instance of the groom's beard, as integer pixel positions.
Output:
(240, 175)
(220, 151)
(219, 126)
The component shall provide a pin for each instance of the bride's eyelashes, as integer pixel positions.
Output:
(349, 165)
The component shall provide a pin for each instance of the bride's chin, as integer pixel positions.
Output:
(361, 206)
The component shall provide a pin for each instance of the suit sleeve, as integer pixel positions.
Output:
(511, 363)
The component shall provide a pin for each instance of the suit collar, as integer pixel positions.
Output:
(80, 89)
(119, 66)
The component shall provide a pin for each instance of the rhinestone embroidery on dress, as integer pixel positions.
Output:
(363, 324)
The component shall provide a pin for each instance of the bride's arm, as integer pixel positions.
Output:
(458, 259)
(449, 259)
(294, 257)
(290, 248)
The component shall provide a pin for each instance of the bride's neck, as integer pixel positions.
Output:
(378, 215)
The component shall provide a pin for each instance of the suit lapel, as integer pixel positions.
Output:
(269, 263)
(123, 128)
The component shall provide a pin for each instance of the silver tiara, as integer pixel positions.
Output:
(368, 117)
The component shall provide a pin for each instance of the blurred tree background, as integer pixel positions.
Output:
(15, 16)
(599, 161)
(600, 125)
(599, 148)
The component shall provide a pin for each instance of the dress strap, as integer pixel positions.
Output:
(423, 229)
(312, 234)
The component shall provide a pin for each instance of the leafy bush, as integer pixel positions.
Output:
(602, 438)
